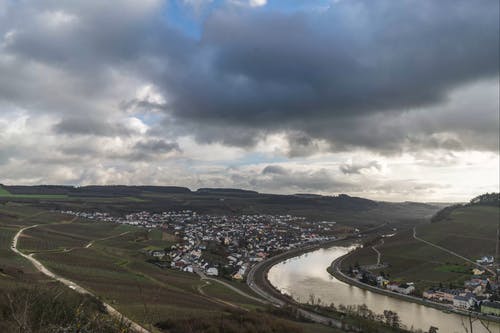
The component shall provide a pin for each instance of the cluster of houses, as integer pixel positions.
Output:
(210, 245)
(380, 281)
(486, 260)
(477, 295)
(240, 241)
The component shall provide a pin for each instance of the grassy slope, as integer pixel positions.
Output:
(114, 268)
(470, 231)
(7, 194)
(349, 211)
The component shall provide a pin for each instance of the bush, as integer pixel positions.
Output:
(54, 310)
(231, 322)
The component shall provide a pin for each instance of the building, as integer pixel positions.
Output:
(157, 253)
(465, 301)
(212, 271)
(490, 308)
(486, 260)
(382, 281)
(403, 288)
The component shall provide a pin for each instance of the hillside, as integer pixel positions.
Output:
(469, 230)
(108, 259)
(119, 200)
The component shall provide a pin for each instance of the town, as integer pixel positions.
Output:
(478, 294)
(224, 246)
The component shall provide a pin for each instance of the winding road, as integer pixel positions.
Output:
(257, 276)
(379, 255)
(72, 285)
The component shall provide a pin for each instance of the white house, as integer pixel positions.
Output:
(188, 269)
(486, 260)
(401, 288)
(212, 271)
(464, 301)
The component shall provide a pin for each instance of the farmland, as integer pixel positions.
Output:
(6, 194)
(120, 200)
(469, 231)
(109, 260)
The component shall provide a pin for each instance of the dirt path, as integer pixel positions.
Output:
(379, 255)
(106, 238)
(72, 285)
(449, 251)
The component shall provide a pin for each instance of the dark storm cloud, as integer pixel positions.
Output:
(85, 125)
(350, 76)
(324, 74)
(274, 169)
(157, 146)
(301, 144)
(277, 177)
(350, 169)
(150, 150)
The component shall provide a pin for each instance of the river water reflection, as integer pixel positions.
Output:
(306, 275)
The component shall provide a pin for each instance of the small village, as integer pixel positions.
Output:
(224, 246)
(479, 293)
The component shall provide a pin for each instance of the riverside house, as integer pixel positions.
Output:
(490, 308)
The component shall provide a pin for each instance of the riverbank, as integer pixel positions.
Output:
(257, 279)
(258, 282)
(335, 270)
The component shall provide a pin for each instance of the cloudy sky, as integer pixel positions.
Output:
(390, 100)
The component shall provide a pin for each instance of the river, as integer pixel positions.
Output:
(306, 275)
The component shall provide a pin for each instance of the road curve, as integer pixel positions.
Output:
(236, 290)
(72, 285)
(257, 275)
(379, 255)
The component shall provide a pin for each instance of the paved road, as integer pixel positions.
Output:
(279, 302)
(450, 252)
(40, 267)
(236, 290)
(203, 276)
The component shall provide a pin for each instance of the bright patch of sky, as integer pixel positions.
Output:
(189, 16)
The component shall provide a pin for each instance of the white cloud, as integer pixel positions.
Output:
(74, 62)
(58, 19)
(258, 3)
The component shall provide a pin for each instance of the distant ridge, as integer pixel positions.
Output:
(307, 195)
(225, 190)
(92, 190)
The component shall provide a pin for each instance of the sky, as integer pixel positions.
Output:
(388, 100)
